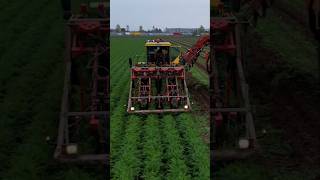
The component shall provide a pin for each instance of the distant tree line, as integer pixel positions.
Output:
(119, 29)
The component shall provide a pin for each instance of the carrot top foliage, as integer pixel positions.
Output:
(150, 146)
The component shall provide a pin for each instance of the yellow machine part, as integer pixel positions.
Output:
(176, 61)
(158, 44)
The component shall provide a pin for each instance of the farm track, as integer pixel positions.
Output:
(137, 152)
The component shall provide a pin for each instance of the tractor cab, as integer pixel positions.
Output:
(158, 52)
(161, 53)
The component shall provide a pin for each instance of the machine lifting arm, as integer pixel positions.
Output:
(192, 54)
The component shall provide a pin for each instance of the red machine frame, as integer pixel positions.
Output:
(227, 83)
(229, 98)
(226, 33)
(149, 74)
(86, 41)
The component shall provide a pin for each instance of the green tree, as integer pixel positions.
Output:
(118, 28)
(141, 29)
(201, 29)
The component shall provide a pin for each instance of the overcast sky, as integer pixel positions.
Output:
(160, 13)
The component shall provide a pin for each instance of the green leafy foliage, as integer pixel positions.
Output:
(31, 81)
(148, 147)
(174, 151)
(152, 148)
(128, 165)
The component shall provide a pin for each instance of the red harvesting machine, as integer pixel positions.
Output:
(158, 85)
(84, 118)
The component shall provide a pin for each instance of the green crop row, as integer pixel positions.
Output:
(198, 151)
(117, 127)
(119, 95)
(152, 149)
(28, 44)
(22, 94)
(128, 166)
(177, 168)
(31, 79)
(27, 19)
(10, 10)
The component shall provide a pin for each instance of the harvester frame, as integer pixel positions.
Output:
(226, 84)
(146, 75)
(229, 98)
(222, 112)
(224, 19)
(86, 42)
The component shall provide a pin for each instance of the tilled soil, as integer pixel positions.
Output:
(199, 92)
(292, 106)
